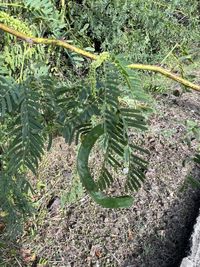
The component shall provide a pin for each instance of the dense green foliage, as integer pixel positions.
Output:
(48, 90)
(142, 30)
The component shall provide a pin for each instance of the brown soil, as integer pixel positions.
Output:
(152, 233)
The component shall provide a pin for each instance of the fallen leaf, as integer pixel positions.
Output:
(27, 256)
(95, 251)
(2, 226)
(98, 253)
(130, 235)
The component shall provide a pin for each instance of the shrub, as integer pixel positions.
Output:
(45, 90)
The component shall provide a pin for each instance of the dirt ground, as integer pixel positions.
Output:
(152, 233)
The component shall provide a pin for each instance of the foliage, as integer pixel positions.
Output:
(45, 90)
(35, 108)
(75, 192)
(193, 132)
(143, 31)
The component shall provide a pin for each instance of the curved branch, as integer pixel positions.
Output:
(166, 74)
(35, 40)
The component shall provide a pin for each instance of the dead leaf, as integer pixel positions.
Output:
(2, 226)
(27, 255)
(130, 235)
(95, 251)
(98, 253)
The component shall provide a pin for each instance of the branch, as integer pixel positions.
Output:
(166, 74)
(35, 40)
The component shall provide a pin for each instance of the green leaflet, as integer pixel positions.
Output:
(86, 178)
(47, 12)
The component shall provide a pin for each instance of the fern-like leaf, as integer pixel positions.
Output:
(120, 153)
(10, 95)
(46, 11)
(27, 145)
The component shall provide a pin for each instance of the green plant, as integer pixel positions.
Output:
(75, 192)
(193, 131)
(31, 111)
(143, 31)
(37, 105)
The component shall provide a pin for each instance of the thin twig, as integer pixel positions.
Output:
(113, 255)
(18, 262)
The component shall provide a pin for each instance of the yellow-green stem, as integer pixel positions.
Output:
(166, 74)
(35, 40)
